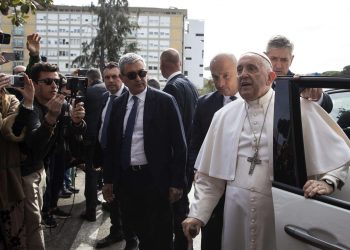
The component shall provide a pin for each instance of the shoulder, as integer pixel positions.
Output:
(210, 97)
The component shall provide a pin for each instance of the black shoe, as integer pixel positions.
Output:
(109, 240)
(132, 244)
(64, 193)
(73, 190)
(48, 221)
(58, 213)
(88, 216)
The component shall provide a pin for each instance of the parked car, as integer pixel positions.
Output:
(324, 221)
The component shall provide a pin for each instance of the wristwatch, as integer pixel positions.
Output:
(329, 182)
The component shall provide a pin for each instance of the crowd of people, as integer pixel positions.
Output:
(146, 147)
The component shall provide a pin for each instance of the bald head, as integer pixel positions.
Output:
(170, 62)
(19, 69)
(255, 75)
(223, 68)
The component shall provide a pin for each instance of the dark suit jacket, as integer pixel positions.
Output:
(98, 157)
(207, 105)
(186, 96)
(164, 140)
(93, 105)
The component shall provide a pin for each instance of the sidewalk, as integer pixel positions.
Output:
(75, 233)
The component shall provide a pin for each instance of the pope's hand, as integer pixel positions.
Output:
(312, 94)
(191, 227)
(313, 187)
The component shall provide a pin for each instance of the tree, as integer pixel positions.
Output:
(346, 71)
(18, 10)
(112, 32)
(208, 87)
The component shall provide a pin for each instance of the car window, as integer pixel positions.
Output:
(341, 108)
(289, 156)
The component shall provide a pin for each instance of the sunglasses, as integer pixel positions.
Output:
(48, 81)
(132, 75)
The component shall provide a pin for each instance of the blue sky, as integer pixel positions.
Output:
(318, 28)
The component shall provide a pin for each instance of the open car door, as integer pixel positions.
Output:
(322, 222)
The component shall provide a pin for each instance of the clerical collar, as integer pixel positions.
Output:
(264, 100)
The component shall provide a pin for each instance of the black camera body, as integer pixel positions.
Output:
(77, 84)
(5, 38)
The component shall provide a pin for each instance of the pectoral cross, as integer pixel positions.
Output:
(253, 161)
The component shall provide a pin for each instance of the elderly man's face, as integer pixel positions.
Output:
(281, 59)
(134, 77)
(224, 74)
(254, 79)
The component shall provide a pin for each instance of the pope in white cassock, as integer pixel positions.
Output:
(237, 158)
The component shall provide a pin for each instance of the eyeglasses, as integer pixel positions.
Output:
(48, 81)
(132, 75)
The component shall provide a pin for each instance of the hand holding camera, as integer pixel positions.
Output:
(78, 112)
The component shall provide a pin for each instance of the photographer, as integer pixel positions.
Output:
(49, 107)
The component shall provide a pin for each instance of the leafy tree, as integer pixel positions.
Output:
(17, 10)
(208, 87)
(346, 71)
(111, 40)
(331, 73)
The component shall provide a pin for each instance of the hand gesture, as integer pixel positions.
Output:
(33, 44)
(54, 107)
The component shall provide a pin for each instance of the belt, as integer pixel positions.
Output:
(137, 168)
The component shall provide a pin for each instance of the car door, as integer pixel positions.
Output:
(319, 223)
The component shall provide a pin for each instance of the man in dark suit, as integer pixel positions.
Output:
(224, 74)
(186, 96)
(280, 52)
(115, 88)
(146, 156)
(93, 104)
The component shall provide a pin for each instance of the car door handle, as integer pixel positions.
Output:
(304, 236)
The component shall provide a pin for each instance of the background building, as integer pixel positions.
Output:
(65, 28)
(194, 51)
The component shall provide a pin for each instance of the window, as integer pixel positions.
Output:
(199, 34)
(188, 58)
(18, 43)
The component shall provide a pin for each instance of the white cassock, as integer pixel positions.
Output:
(222, 163)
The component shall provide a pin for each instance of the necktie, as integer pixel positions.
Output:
(129, 129)
(106, 121)
(233, 98)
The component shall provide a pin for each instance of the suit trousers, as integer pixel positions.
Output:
(34, 186)
(146, 210)
(91, 177)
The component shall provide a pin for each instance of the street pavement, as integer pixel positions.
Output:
(75, 233)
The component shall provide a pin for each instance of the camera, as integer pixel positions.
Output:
(77, 84)
(5, 38)
(17, 81)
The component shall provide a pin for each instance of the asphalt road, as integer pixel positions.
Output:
(75, 233)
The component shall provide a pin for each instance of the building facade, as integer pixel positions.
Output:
(194, 51)
(64, 29)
